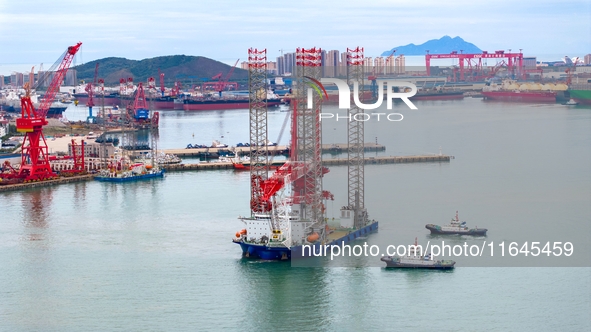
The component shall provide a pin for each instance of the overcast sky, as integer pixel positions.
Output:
(33, 32)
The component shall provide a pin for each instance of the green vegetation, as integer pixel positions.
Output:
(184, 68)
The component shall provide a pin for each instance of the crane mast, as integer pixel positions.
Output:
(355, 142)
(259, 167)
(307, 191)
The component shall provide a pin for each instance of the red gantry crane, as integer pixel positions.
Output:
(34, 156)
(474, 63)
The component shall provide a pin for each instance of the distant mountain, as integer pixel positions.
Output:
(182, 68)
(445, 44)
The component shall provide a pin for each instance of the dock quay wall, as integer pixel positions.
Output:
(18, 186)
(272, 150)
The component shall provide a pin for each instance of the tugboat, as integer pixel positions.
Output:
(415, 261)
(571, 102)
(455, 227)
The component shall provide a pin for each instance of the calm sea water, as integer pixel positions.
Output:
(157, 255)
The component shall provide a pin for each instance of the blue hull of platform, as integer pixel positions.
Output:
(271, 253)
(131, 178)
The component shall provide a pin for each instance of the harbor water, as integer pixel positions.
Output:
(157, 255)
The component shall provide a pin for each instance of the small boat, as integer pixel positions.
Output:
(92, 135)
(456, 227)
(571, 102)
(136, 172)
(416, 260)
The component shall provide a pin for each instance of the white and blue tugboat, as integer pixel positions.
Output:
(456, 227)
(416, 260)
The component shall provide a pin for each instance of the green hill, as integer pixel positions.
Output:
(184, 68)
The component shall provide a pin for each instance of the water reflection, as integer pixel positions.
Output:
(276, 296)
(414, 276)
(36, 207)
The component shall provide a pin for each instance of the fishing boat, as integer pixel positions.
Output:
(228, 102)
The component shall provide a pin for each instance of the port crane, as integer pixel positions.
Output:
(35, 164)
(569, 71)
(162, 88)
(140, 109)
(222, 82)
(373, 77)
(90, 90)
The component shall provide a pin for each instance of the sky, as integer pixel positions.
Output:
(34, 32)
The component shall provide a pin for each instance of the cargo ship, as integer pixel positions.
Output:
(581, 93)
(223, 104)
(510, 90)
(10, 102)
(416, 260)
(55, 111)
(111, 99)
(437, 95)
(162, 103)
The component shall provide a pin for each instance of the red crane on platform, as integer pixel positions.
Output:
(34, 155)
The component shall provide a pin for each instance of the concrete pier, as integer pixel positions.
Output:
(228, 165)
(326, 162)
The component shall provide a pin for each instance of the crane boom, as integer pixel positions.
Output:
(223, 82)
(57, 80)
(230, 72)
